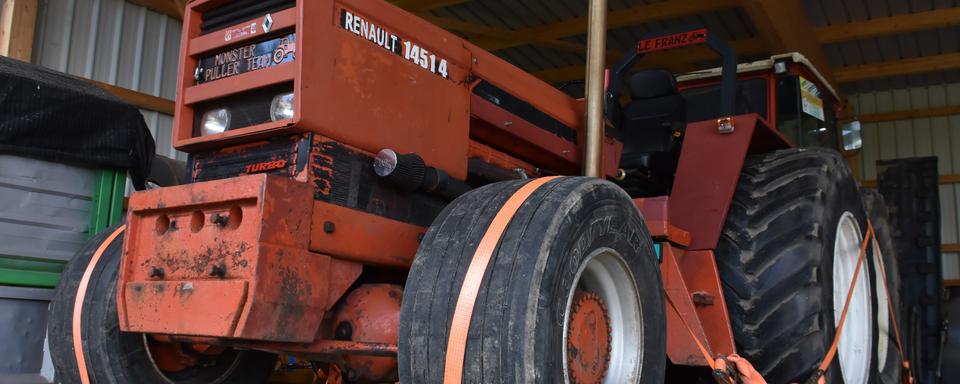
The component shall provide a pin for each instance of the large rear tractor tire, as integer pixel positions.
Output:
(572, 293)
(888, 356)
(786, 259)
(117, 357)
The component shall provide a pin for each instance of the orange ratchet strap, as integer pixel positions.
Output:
(832, 352)
(460, 326)
(78, 304)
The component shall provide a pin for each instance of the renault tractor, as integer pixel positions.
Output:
(387, 201)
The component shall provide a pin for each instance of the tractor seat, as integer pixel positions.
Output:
(653, 123)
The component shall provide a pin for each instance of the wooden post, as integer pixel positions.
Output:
(18, 19)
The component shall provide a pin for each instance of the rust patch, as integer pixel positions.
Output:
(137, 291)
(258, 264)
(222, 252)
(294, 292)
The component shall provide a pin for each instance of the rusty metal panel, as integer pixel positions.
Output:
(246, 240)
(363, 237)
(202, 299)
(359, 74)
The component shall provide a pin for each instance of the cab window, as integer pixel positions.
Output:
(804, 114)
(703, 103)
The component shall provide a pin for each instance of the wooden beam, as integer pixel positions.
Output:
(139, 99)
(951, 248)
(889, 25)
(468, 27)
(942, 179)
(631, 16)
(911, 114)
(425, 5)
(786, 28)
(678, 60)
(18, 21)
(898, 67)
(172, 8)
(951, 283)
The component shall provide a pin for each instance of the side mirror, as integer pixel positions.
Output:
(852, 139)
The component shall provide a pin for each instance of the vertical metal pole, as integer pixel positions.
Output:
(596, 53)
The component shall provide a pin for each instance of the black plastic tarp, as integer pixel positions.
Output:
(52, 116)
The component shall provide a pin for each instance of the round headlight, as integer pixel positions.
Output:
(281, 108)
(215, 121)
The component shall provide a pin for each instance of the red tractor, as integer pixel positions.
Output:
(382, 198)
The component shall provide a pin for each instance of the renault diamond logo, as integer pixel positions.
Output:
(267, 23)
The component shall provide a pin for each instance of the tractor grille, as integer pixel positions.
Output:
(240, 11)
(282, 156)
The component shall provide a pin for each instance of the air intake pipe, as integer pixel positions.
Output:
(410, 173)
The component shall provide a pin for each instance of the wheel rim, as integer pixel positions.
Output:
(856, 338)
(184, 362)
(606, 275)
(883, 314)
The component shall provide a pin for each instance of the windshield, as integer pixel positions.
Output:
(703, 103)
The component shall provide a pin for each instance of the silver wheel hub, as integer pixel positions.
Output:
(605, 274)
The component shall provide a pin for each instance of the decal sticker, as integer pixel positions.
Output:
(810, 99)
(247, 58)
(676, 40)
(240, 32)
(265, 166)
(409, 50)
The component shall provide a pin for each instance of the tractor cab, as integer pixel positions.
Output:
(650, 109)
(785, 90)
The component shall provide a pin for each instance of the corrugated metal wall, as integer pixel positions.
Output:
(937, 136)
(117, 43)
(45, 208)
